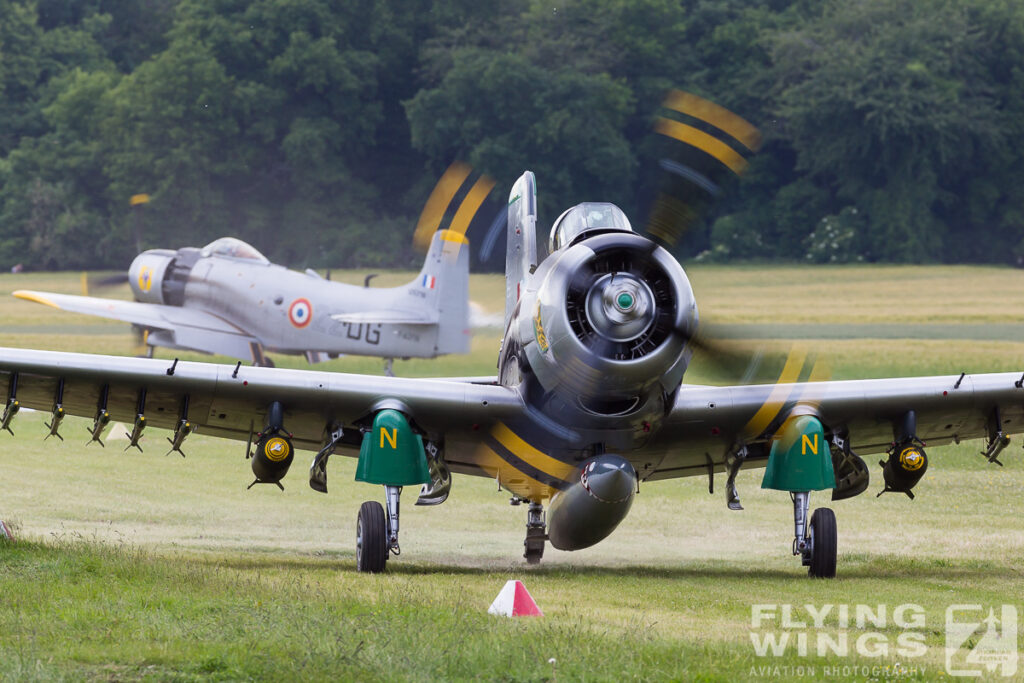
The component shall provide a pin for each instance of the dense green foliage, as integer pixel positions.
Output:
(316, 129)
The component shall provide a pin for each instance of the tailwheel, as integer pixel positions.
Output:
(371, 538)
(823, 537)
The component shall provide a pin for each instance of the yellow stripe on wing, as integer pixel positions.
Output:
(37, 297)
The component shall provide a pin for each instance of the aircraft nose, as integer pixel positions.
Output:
(620, 306)
(609, 478)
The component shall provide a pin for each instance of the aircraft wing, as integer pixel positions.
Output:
(707, 421)
(229, 402)
(155, 316)
(704, 423)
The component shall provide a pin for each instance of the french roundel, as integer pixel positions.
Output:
(300, 312)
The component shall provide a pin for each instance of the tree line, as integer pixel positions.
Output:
(316, 129)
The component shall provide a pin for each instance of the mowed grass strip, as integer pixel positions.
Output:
(859, 293)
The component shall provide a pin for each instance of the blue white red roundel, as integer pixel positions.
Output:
(300, 312)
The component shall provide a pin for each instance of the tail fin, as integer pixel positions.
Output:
(521, 254)
(444, 279)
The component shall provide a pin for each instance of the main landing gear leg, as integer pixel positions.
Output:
(536, 533)
(816, 543)
(392, 494)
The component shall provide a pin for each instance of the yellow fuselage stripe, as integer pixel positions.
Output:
(505, 473)
(530, 455)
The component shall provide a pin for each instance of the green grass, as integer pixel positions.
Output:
(83, 611)
(137, 566)
(261, 584)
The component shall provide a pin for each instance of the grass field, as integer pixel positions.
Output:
(140, 566)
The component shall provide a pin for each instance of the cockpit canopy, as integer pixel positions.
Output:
(232, 247)
(584, 218)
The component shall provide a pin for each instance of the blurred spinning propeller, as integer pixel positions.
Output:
(706, 150)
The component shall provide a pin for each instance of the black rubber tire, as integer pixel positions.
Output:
(371, 538)
(825, 537)
(534, 551)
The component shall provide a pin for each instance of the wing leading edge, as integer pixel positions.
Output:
(706, 422)
(230, 401)
(157, 316)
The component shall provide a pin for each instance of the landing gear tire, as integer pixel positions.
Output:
(534, 545)
(371, 538)
(823, 536)
(536, 533)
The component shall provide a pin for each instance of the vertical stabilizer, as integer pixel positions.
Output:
(521, 254)
(445, 280)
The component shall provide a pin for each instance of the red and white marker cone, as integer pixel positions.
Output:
(514, 601)
(5, 531)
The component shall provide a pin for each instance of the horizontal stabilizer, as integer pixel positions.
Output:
(390, 317)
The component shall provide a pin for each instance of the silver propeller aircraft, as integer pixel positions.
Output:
(588, 403)
(227, 298)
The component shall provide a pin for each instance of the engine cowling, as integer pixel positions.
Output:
(158, 276)
(608, 322)
(146, 275)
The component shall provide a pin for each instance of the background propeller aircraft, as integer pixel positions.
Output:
(227, 298)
